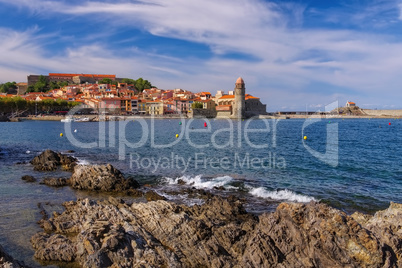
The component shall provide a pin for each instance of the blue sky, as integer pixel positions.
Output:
(290, 53)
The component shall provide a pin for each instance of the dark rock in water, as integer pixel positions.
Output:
(181, 182)
(219, 233)
(153, 196)
(70, 151)
(55, 182)
(104, 178)
(28, 178)
(21, 163)
(134, 193)
(7, 261)
(220, 188)
(50, 160)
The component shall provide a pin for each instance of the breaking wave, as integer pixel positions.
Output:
(200, 183)
(281, 195)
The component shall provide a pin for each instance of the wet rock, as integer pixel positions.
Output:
(219, 188)
(55, 182)
(181, 182)
(28, 178)
(50, 160)
(219, 233)
(7, 261)
(153, 196)
(104, 178)
(134, 193)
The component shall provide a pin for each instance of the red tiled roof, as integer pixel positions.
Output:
(227, 97)
(248, 96)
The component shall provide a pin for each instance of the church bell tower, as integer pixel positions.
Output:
(240, 100)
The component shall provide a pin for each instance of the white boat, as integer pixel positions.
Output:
(84, 119)
(67, 120)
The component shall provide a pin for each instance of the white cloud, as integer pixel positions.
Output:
(291, 59)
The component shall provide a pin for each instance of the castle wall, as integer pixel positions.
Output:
(203, 113)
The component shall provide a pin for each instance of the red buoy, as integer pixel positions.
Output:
(205, 124)
(389, 123)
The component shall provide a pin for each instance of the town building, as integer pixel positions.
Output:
(155, 107)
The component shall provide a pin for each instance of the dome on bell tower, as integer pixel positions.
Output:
(239, 81)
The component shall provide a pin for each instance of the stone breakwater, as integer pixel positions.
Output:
(219, 233)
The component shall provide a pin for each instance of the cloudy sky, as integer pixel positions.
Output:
(289, 53)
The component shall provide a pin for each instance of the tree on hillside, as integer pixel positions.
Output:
(141, 84)
(41, 85)
(7, 87)
(128, 81)
(108, 81)
(58, 84)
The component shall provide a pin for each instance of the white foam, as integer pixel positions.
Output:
(83, 162)
(200, 183)
(281, 195)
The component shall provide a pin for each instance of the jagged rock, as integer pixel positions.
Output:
(50, 160)
(7, 261)
(153, 196)
(104, 178)
(28, 178)
(387, 226)
(53, 248)
(219, 233)
(55, 182)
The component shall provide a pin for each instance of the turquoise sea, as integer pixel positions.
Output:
(351, 164)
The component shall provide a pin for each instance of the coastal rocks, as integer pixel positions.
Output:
(7, 261)
(104, 178)
(55, 182)
(28, 178)
(50, 160)
(54, 247)
(153, 196)
(313, 235)
(387, 226)
(219, 233)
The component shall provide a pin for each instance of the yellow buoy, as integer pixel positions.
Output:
(177, 135)
(61, 134)
(305, 137)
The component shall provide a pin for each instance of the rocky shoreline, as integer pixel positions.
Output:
(217, 233)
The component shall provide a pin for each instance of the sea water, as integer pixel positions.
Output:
(351, 164)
